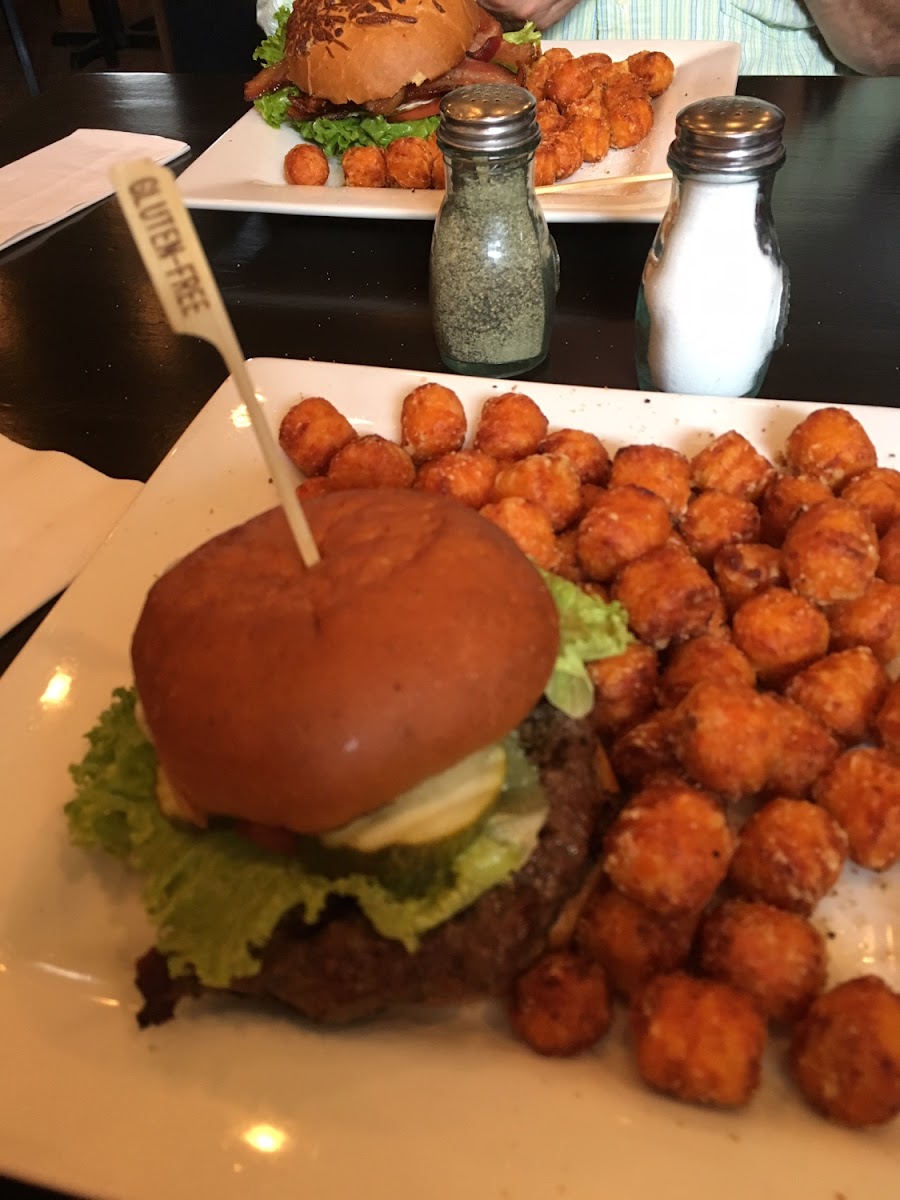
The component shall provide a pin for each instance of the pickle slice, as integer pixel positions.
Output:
(433, 811)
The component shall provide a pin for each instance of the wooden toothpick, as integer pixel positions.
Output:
(179, 270)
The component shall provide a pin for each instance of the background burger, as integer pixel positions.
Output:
(344, 73)
(341, 786)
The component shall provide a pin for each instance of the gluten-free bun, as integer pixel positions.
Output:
(351, 51)
(303, 698)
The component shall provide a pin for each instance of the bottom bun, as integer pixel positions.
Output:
(340, 969)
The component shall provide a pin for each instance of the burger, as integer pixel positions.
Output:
(344, 787)
(342, 72)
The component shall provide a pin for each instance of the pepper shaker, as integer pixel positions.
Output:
(494, 269)
(714, 293)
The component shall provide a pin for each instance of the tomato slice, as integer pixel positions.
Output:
(429, 108)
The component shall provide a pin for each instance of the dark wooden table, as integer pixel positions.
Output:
(88, 364)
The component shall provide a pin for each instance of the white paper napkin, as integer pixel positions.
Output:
(54, 513)
(66, 176)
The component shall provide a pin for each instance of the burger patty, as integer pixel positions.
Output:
(341, 969)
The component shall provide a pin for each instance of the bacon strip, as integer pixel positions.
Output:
(269, 79)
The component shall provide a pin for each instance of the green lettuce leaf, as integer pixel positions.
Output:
(214, 896)
(273, 106)
(271, 48)
(337, 135)
(589, 629)
(519, 37)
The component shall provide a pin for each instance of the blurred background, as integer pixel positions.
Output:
(41, 40)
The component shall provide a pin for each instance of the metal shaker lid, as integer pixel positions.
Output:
(488, 118)
(733, 135)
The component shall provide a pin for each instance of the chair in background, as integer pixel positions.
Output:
(18, 39)
(108, 37)
(208, 35)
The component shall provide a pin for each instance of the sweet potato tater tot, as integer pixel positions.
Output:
(717, 519)
(725, 738)
(845, 1053)
(785, 498)
(805, 748)
(547, 479)
(529, 527)
(698, 1040)
(592, 131)
(731, 464)
(830, 445)
(877, 493)
(889, 555)
(669, 847)
(311, 433)
(622, 524)
(371, 462)
(315, 485)
(432, 422)
(777, 957)
(660, 470)
(669, 597)
(873, 620)
(708, 658)
(306, 165)
(438, 173)
(862, 792)
(789, 853)
(780, 633)
(569, 81)
(630, 119)
(624, 687)
(596, 58)
(540, 70)
(654, 69)
(510, 426)
(549, 118)
(364, 166)
(546, 168)
(560, 1005)
(887, 722)
(844, 690)
(592, 105)
(567, 151)
(744, 569)
(466, 474)
(408, 161)
(585, 452)
(631, 943)
(830, 552)
(644, 750)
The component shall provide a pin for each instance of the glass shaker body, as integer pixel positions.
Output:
(714, 293)
(494, 269)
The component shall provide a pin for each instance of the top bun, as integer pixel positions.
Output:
(353, 51)
(303, 698)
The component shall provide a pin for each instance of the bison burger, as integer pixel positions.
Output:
(343, 72)
(348, 793)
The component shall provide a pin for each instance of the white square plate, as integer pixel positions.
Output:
(231, 1100)
(243, 169)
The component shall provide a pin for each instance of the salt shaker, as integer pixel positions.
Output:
(714, 293)
(494, 268)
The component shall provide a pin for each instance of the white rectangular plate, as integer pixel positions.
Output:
(243, 169)
(230, 1100)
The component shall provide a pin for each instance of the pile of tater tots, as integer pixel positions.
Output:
(587, 105)
(752, 729)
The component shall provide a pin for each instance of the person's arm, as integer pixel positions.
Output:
(864, 34)
(514, 13)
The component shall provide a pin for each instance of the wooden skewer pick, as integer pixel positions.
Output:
(602, 181)
(180, 272)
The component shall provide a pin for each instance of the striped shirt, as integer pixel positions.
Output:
(777, 37)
